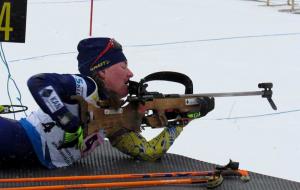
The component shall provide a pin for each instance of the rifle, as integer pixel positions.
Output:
(154, 109)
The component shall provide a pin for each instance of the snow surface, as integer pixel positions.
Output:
(224, 46)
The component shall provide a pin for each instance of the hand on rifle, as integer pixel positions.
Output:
(207, 104)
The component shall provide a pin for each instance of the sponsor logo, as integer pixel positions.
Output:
(79, 85)
(56, 102)
(51, 99)
(194, 115)
(99, 65)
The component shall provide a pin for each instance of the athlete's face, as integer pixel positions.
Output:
(116, 78)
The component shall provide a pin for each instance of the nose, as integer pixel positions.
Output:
(129, 73)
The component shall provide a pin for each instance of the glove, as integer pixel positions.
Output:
(207, 104)
(73, 139)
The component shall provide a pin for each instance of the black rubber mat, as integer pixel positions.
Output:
(107, 160)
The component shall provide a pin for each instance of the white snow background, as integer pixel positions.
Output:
(223, 46)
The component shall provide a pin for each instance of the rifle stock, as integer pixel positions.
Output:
(134, 115)
(95, 118)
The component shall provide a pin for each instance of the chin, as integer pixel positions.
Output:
(124, 93)
(121, 94)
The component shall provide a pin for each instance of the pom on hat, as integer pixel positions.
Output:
(96, 54)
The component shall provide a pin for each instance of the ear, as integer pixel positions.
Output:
(102, 74)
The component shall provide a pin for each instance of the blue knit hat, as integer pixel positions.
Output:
(96, 54)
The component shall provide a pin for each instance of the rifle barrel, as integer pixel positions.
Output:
(226, 94)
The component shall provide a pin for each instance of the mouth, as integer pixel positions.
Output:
(127, 83)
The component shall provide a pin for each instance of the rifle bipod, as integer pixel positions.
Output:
(6, 109)
(267, 93)
(211, 179)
